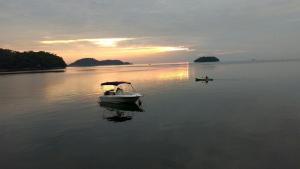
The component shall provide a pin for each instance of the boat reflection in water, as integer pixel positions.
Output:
(118, 112)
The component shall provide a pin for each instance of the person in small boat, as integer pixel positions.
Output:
(119, 91)
(206, 78)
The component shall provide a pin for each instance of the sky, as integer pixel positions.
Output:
(148, 31)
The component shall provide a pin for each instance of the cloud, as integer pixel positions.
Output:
(103, 42)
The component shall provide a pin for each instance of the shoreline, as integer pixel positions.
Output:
(32, 71)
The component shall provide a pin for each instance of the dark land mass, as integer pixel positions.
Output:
(29, 61)
(93, 62)
(207, 59)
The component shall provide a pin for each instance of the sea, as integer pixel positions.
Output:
(248, 117)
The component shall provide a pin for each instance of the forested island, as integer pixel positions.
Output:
(94, 62)
(207, 59)
(25, 61)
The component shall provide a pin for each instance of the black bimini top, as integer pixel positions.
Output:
(116, 83)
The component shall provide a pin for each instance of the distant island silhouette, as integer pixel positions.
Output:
(207, 59)
(85, 62)
(26, 61)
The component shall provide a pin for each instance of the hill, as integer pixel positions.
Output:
(22, 61)
(207, 59)
(93, 62)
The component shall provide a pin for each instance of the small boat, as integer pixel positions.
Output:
(204, 79)
(122, 92)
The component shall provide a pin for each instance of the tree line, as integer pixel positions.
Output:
(13, 60)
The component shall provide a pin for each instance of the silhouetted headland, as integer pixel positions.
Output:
(29, 61)
(93, 62)
(207, 59)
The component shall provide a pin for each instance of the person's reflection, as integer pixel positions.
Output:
(119, 112)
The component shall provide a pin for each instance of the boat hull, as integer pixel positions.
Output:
(120, 98)
(127, 107)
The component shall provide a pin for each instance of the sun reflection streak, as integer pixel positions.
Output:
(87, 83)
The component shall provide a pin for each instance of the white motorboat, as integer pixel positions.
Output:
(122, 92)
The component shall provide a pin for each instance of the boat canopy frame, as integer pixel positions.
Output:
(115, 83)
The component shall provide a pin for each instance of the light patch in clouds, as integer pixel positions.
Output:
(103, 42)
(72, 53)
(111, 47)
(158, 49)
(114, 42)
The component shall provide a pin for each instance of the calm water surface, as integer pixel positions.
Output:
(247, 118)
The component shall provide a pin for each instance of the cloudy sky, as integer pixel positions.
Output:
(144, 31)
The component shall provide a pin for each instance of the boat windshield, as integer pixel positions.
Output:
(117, 90)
